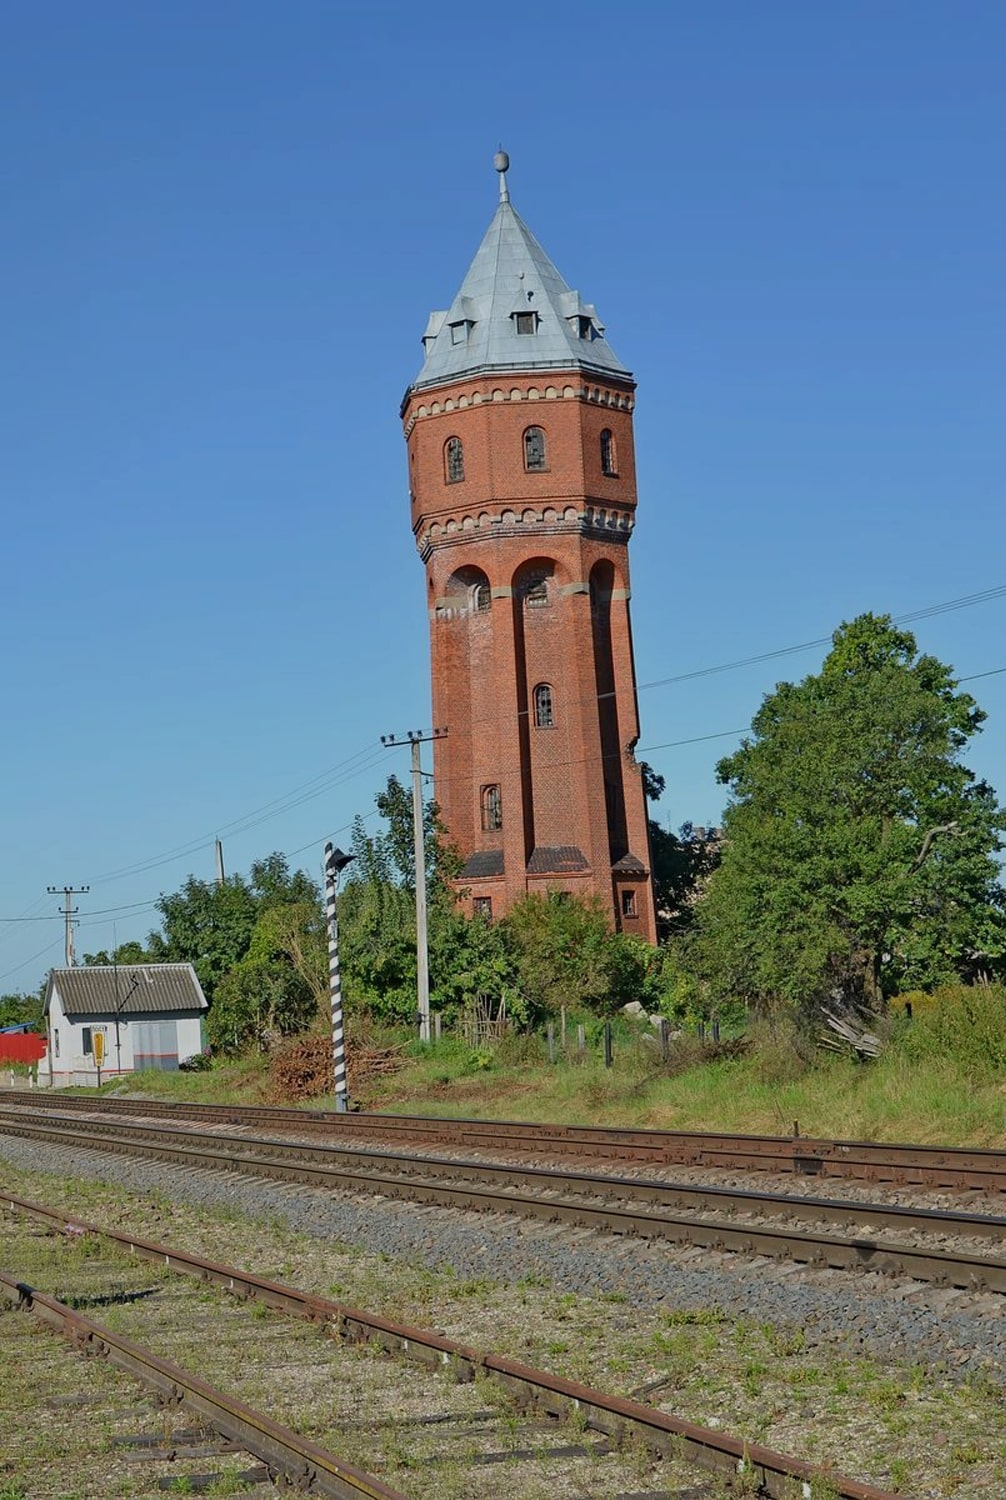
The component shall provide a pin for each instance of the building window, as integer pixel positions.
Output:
(454, 460)
(536, 593)
(85, 1040)
(492, 808)
(544, 713)
(608, 464)
(483, 907)
(534, 449)
(526, 322)
(459, 333)
(628, 903)
(482, 597)
(55, 1041)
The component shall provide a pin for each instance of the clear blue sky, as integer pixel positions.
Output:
(224, 225)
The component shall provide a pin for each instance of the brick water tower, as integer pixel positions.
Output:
(523, 495)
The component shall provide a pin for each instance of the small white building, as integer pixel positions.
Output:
(121, 1019)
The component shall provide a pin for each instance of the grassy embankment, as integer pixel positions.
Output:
(940, 1078)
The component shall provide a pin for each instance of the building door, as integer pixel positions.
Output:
(155, 1045)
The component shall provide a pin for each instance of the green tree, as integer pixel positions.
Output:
(126, 953)
(680, 863)
(257, 945)
(261, 997)
(18, 1009)
(565, 954)
(471, 958)
(377, 913)
(859, 852)
(207, 925)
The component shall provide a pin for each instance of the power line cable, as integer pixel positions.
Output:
(966, 601)
(328, 780)
(41, 954)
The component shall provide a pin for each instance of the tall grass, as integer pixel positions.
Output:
(941, 1076)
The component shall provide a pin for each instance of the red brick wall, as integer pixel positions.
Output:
(499, 524)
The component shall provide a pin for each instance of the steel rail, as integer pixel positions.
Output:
(971, 1272)
(302, 1464)
(641, 1190)
(895, 1162)
(612, 1415)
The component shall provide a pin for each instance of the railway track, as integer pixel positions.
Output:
(732, 1220)
(928, 1166)
(305, 1465)
(286, 1456)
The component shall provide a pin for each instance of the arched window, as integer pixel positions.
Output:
(536, 592)
(492, 808)
(482, 597)
(544, 716)
(454, 460)
(608, 463)
(534, 449)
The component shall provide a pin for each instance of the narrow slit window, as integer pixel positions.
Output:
(482, 597)
(454, 460)
(544, 708)
(628, 903)
(609, 465)
(534, 449)
(492, 808)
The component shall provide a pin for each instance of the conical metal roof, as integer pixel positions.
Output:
(514, 311)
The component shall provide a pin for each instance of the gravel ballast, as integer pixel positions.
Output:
(861, 1313)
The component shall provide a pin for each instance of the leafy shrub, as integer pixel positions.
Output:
(959, 1022)
(202, 1062)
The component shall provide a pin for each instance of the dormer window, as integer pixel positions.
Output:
(526, 322)
(585, 328)
(459, 333)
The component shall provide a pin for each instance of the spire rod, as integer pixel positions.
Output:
(502, 164)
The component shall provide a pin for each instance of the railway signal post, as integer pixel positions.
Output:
(335, 863)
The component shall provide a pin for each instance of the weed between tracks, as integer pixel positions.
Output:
(918, 1430)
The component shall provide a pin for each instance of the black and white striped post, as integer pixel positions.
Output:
(335, 862)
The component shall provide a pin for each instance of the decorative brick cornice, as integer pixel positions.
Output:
(613, 523)
(420, 405)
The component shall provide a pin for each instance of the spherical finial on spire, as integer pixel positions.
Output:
(502, 162)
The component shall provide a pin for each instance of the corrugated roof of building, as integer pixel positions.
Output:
(512, 274)
(126, 990)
